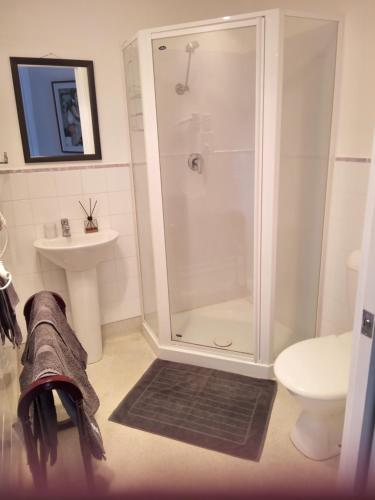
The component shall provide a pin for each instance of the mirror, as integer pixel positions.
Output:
(56, 107)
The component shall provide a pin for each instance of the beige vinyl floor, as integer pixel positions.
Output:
(139, 461)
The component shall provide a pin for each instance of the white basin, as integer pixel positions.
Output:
(79, 255)
(79, 251)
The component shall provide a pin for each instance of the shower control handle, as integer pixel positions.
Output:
(195, 162)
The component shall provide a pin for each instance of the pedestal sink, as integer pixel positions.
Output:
(79, 255)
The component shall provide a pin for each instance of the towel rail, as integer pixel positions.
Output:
(37, 463)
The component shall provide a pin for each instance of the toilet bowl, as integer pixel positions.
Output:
(316, 372)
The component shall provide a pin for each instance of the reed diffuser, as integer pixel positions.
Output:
(91, 224)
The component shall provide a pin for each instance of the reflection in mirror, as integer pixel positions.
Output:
(56, 106)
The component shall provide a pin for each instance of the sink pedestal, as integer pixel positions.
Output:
(84, 301)
(79, 255)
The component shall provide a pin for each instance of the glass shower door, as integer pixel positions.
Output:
(206, 86)
(141, 190)
(309, 67)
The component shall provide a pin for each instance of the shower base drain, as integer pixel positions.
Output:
(222, 342)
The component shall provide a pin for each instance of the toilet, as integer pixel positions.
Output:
(316, 373)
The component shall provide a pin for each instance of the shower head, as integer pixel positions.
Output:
(191, 46)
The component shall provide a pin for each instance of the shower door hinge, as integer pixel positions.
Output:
(367, 327)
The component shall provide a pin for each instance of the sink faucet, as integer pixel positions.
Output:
(65, 228)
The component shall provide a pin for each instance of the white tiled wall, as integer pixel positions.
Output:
(347, 209)
(30, 199)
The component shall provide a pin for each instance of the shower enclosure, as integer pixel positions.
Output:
(230, 129)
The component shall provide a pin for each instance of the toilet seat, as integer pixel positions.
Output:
(317, 368)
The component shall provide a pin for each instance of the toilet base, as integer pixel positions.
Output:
(318, 436)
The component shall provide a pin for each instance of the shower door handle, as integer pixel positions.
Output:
(195, 162)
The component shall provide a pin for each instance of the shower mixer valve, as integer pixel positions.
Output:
(195, 162)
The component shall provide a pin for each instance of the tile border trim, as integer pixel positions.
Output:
(29, 170)
(63, 168)
(352, 159)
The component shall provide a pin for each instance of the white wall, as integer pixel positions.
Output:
(95, 29)
(350, 180)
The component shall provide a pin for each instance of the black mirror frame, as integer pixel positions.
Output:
(89, 65)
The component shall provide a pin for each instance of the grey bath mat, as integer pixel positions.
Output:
(217, 410)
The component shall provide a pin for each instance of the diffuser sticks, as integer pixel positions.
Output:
(91, 224)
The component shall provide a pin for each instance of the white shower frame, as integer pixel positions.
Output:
(269, 77)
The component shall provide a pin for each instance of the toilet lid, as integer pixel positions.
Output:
(316, 368)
